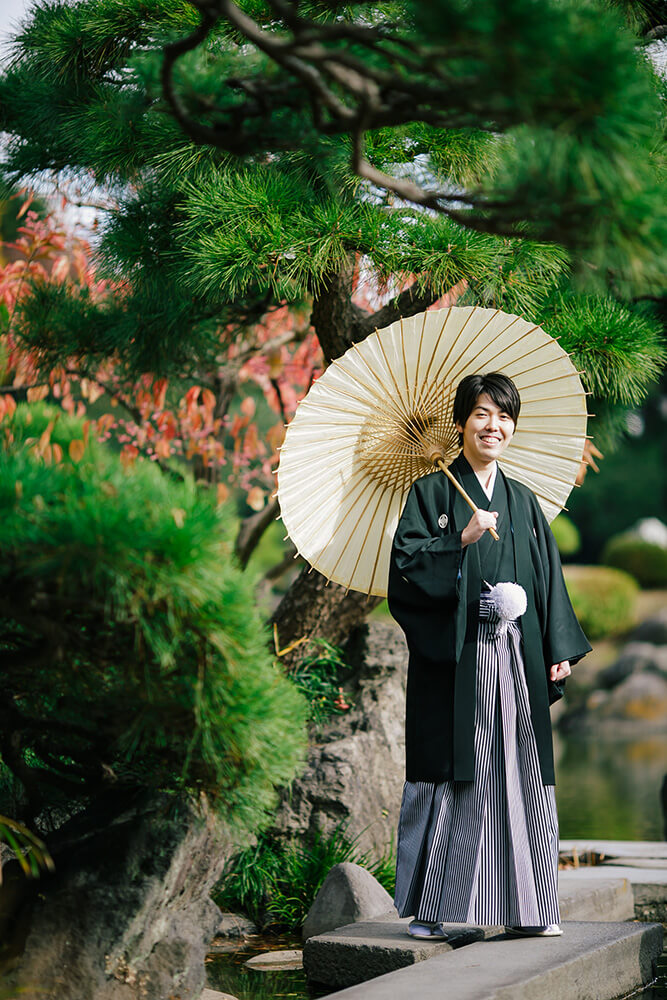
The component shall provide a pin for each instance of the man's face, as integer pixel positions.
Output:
(487, 432)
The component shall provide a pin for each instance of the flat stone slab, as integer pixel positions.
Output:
(358, 952)
(649, 886)
(591, 959)
(272, 961)
(582, 898)
(619, 848)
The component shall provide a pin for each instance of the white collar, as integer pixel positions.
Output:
(492, 481)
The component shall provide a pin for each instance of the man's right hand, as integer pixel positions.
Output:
(480, 522)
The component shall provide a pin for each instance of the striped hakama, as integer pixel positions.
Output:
(485, 851)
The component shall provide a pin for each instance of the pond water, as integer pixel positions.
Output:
(609, 788)
(226, 971)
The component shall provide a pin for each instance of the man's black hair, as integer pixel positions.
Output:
(500, 388)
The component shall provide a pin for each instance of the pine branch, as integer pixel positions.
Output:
(252, 529)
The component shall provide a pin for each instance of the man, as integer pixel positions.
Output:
(478, 831)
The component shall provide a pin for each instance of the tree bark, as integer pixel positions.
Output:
(311, 609)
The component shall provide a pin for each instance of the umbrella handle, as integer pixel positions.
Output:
(471, 503)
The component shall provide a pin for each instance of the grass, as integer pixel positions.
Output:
(275, 882)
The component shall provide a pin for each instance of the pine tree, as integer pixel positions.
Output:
(532, 121)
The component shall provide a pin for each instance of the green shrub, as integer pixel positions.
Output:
(645, 561)
(566, 534)
(275, 883)
(317, 676)
(604, 599)
(133, 654)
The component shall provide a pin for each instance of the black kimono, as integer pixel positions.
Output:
(434, 588)
(478, 830)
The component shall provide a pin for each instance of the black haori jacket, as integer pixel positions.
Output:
(434, 588)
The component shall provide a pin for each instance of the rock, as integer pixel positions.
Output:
(214, 995)
(635, 656)
(272, 961)
(355, 771)
(127, 913)
(348, 894)
(641, 698)
(654, 629)
(235, 925)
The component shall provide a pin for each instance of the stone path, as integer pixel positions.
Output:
(603, 952)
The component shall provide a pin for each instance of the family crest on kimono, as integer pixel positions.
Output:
(491, 635)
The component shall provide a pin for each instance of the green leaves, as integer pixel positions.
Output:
(156, 659)
(620, 350)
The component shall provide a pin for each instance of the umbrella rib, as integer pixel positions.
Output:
(528, 468)
(556, 378)
(377, 486)
(540, 347)
(316, 513)
(437, 343)
(419, 354)
(556, 433)
(542, 364)
(384, 527)
(542, 496)
(448, 354)
(515, 446)
(382, 399)
(470, 361)
(367, 533)
(406, 411)
(551, 416)
(319, 405)
(503, 349)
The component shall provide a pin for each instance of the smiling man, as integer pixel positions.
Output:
(491, 634)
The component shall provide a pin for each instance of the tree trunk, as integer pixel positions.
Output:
(312, 609)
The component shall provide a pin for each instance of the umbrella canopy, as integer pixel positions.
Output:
(370, 425)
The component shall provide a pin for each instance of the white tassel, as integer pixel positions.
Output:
(509, 600)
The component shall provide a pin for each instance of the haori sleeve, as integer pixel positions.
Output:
(423, 553)
(563, 637)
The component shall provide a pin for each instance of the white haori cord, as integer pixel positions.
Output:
(509, 602)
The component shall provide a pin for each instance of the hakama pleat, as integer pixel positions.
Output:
(485, 851)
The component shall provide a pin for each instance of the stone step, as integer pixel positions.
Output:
(649, 886)
(360, 951)
(582, 898)
(591, 959)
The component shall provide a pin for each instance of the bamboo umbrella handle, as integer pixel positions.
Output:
(471, 503)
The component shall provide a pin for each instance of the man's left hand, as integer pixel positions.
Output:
(560, 670)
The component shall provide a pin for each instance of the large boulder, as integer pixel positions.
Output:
(355, 770)
(635, 656)
(640, 700)
(127, 914)
(654, 629)
(349, 893)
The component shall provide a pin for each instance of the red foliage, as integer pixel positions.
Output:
(230, 444)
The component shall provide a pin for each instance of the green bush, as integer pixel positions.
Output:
(566, 534)
(133, 653)
(604, 599)
(645, 561)
(318, 676)
(275, 882)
